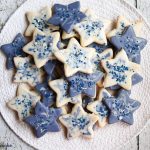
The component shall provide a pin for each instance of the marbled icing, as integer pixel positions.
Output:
(83, 83)
(67, 16)
(14, 49)
(44, 119)
(130, 43)
(121, 107)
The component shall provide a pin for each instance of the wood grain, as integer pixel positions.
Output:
(144, 7)
(144, 137)
(8, 137)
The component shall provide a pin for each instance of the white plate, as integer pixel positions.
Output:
(110, 137)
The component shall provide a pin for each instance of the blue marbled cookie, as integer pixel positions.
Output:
(82, 83)
(14, 49)
(44, 120)
(121, 107)
(130, 43)
(66, 16)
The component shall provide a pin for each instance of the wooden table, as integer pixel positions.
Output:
(141, 142)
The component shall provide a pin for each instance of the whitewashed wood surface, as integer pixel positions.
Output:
(141, 142)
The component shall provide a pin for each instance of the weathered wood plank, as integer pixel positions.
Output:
(144, 139)
(7, 7)
(133, 2)
(132, 145)
(8, 140)
(144, 7)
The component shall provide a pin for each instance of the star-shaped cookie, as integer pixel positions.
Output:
(91, 31)
(42, 47)
(60, 86)
(48, 95)
(38, 20)
(122, 23)
(121, 107)
(99, 108)
(66, 16)
(24, 102)
(119, 71)
(82, 83)
(130, 43)
(44, 120)
(27, 72)
(76, 58)
(14, 49)
(79, 122)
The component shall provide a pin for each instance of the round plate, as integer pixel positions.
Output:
(109, 137)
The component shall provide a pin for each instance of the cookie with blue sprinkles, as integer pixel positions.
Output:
(91, 31)
(61, 87)
(66, 16)
(119, 71)
(79, 123)
(27, 72)
(122, 23)
(24, 102)
(121, 108)
(38, 20)
(44, 120)
(130, 43)
(14, 49)
(76, 58)
(99, 108)
(42, 47)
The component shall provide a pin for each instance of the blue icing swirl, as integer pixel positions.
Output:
(42, 46)
(65, 14)
(43, 121)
